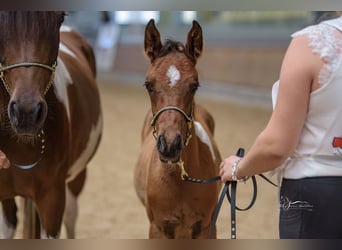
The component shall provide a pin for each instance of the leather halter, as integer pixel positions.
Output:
(188, 118)
(28, 64)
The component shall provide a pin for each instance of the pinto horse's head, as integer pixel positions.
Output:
(29, 43)
(171, 82)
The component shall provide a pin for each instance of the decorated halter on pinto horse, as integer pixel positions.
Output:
(13, 112)
(177, 134)
(47, 91)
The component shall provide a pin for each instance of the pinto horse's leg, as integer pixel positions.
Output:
(71, 207)
(31, 220)
(70, 214)
(50, 208)
(8, 218)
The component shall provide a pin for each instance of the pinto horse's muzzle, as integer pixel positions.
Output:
(27, 117)
(28, 111)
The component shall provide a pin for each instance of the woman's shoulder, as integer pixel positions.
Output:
(324, 35)
(325, 40)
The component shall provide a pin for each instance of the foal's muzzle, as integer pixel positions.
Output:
(169, 152)
(170, 149)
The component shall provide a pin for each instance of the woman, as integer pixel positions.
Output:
(304, 136)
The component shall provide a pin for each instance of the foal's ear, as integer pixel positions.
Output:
(194, 43)
(152, 41)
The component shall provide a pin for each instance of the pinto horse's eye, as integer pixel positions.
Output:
(194, 87)
(64, 14)
(148, 86)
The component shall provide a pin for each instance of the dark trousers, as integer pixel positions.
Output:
(311, 208)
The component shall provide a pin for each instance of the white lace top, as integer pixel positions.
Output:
(319, 151)
(326, 41)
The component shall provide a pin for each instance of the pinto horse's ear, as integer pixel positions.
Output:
(152, 42)
(194, 43)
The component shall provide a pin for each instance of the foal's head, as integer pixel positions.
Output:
(29, 43)
(171, 82)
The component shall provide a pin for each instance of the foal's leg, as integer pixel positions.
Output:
(155, 233)
(50, 209)
(73, 189)
(8, 218)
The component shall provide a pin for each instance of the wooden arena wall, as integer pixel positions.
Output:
(255, 66)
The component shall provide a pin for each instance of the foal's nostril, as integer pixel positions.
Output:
(176, 146)
(162, 144)
(169, 150)
(178, 142)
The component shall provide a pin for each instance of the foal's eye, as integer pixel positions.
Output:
(148, 86)
(194, 87)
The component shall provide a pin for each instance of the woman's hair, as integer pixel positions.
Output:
(320, 16)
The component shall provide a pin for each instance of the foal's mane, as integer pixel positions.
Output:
(172, 46)
(35, 23)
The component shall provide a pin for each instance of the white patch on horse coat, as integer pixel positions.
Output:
(81, 162)
(173, 74)
(66, 50)
(62, 80)
(6, 229)
(202, 134)
(62, 46)
(65, 28)
(70, 213)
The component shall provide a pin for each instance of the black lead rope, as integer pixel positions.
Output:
(230, 197)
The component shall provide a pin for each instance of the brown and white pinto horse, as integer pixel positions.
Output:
(182, 141)
(51, 120)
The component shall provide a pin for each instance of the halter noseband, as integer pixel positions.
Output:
(188, 119)
(27, 64)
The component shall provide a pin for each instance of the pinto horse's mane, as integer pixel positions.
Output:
(26, 24)
(171, 46)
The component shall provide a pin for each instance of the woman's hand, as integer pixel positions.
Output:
(4, 162)
(226, 171)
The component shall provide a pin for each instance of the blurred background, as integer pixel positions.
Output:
(243, 50)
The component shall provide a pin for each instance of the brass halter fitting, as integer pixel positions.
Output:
(188, 119)
(28, 64)
(184, 175)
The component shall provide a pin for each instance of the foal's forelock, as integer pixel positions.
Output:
(171, 46)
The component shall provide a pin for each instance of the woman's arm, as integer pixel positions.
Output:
(298, 77)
